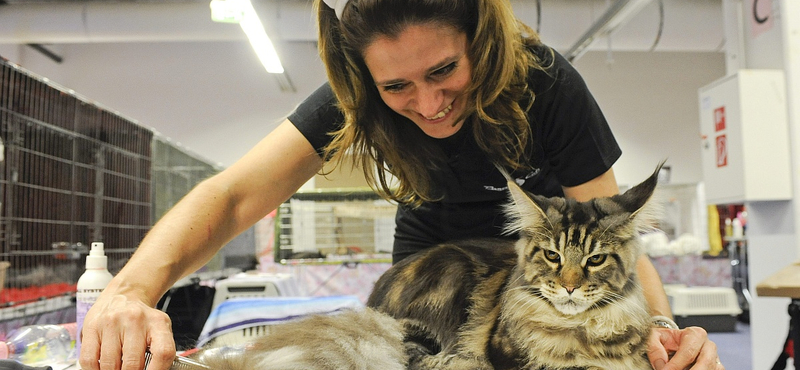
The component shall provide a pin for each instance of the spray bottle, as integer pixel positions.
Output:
(90, 285)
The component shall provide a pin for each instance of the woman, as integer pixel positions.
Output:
(434, 92)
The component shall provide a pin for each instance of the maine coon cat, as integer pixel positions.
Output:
(564, 295)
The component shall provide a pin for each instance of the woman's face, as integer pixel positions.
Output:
(422, 75)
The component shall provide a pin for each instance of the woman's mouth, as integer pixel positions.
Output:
(441, 114)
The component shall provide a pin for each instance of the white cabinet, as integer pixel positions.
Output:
(745, 138)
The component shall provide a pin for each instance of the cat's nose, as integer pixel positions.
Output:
(570, 288)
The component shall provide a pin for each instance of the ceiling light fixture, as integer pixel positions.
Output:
(242, 12)
(615, 17)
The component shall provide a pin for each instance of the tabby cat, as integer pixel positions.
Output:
(563, 296)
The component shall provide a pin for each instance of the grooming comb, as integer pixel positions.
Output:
(179, 363)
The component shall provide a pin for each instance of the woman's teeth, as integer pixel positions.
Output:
(442, 113)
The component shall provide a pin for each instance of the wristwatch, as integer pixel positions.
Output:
(664, 322)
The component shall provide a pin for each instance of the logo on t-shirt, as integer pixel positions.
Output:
(519, 180)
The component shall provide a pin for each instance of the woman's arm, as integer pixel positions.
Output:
(123, 323)
(604, 185)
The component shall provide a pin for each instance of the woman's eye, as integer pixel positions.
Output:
(596, 260)
(552, 256)
(444, 70)
(393, 88)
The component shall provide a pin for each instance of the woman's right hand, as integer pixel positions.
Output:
(118, 329)
(122, 324)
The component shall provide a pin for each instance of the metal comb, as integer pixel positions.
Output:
(179, 363)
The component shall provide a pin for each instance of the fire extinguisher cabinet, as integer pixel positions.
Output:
(745, 138)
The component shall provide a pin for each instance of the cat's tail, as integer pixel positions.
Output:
(354, 339)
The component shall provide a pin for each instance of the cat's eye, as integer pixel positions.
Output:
(552, 256)
(596, 260)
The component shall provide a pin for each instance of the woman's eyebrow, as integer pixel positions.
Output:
(432, 69)
(390, 82)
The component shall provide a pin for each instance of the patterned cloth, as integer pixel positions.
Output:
(242, 313)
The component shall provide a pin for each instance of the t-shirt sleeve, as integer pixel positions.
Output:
(573, 133)
(317, 116)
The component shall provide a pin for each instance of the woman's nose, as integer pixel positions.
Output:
(429, 100)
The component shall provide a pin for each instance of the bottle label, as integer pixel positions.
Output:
(85, 299)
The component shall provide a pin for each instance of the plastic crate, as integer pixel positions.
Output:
(715, 309)
(254, 285)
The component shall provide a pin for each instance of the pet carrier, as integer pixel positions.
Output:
(712, 308)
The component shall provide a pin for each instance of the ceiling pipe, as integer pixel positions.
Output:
(47, 52)
(689, 25)
(617, 15)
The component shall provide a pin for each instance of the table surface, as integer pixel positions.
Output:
(784, 283)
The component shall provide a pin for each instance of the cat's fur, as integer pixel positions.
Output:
(352, 340)
(562, 296)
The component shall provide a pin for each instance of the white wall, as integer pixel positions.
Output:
(10, 52)
(650, 101)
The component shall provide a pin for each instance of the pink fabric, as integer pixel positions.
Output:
(693, 270)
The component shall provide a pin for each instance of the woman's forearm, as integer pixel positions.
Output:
(215, 211)
(180, 243)
(653, 288)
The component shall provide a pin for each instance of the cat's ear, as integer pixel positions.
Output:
(642, 200)
(524, 211)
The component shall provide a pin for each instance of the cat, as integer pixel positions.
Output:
(563, 295)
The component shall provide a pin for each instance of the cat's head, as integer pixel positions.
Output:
(579, 255)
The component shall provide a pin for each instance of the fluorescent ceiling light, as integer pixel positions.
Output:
(242, 12)
(615, 17)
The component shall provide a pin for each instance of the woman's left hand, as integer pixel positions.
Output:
(681, 349)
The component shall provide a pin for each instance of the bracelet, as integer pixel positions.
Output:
(664, 322)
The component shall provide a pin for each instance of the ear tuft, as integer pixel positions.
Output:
(524, 211)
(643, 201)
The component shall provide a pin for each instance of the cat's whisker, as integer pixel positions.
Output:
(536, 232)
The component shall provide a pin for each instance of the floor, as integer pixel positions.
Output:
(734, 347)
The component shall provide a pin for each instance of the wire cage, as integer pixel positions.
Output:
(175, 172)
(334, 225)
(71, 173)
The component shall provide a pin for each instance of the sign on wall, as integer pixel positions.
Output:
(761, 16)
(722, 142)
(722, 151)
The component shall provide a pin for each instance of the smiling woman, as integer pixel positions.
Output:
(431, 97)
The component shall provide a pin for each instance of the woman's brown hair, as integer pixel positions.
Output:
(381, 140)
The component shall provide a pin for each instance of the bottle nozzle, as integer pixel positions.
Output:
(97, 258)
(97, 249)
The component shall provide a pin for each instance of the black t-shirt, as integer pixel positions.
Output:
(572, 144)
